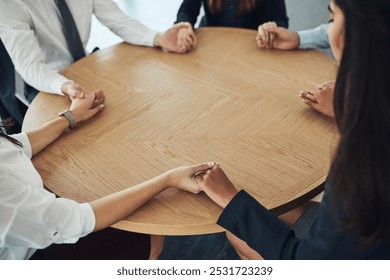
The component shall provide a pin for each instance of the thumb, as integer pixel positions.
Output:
(95, 110)
(202, 166)
(275, 29)
(182, 25)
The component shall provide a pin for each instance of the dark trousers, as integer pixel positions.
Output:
(198, 247)
(106, 244)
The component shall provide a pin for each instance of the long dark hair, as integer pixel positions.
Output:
(216, 6)
(360, 172)
(3, 126)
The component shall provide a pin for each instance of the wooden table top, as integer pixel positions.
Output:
(226, 101)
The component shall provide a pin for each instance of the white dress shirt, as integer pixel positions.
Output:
(32, 34)
(31, 217)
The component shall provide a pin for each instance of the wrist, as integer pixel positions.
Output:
(68, 115)
(297, 40)
(156, 41)
(65, 88)
(228, 197)
(168, 180)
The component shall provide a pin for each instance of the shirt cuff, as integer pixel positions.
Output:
(306, 39)
(57, 84)
(149, 38)
(234, 210)
(90, 220)
(23, 138)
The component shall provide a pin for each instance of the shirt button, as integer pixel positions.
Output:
(54, 234)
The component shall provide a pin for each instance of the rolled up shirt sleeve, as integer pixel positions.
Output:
(316, 38)
(33, 217)
(23, 139)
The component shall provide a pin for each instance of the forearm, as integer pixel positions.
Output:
(129, 29)
(188, 12)
(43, 136)
(275, 11)
(113, 208)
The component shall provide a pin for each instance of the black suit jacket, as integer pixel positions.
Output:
(264, 11)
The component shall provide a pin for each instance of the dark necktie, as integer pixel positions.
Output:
(71, 33)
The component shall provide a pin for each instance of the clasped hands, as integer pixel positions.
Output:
(208, 177)
(84, 103)
(320, 98)
(270, 36)
(180, 38)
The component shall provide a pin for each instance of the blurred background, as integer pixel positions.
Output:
(161, 14)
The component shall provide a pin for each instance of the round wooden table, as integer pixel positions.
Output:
(226, 101)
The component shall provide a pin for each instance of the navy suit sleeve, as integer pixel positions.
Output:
(324, 239)
(274, 10)
(189, 11)
(262, 230)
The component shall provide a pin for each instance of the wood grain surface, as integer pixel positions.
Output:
(226, 101)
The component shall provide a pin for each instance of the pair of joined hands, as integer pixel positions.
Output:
(270, 36)
(180, 38)
(84, 103)
(320, 98)
(208, 177)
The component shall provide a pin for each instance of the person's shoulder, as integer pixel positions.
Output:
(11, 4)
(12, 10)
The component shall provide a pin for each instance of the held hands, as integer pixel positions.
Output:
(207, 177)
(186, 38)
(320, 98)
(83, 109)
(216, 185)
(183, 177)
(76, 91)
(180, 38)
(270, 36)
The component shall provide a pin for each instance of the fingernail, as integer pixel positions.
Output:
(210, 164)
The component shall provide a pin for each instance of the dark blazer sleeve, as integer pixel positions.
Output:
(274, 10)
(262, 230)
(189, 11)
(324, 239)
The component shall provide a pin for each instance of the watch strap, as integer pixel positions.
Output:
(69, 116)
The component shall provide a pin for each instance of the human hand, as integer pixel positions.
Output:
(320, 98)
(183, 177)
(217, 185)
(242, 248)
(270, 36)
(186, 38)
(76, 91)
(82, 108)
(169, 40)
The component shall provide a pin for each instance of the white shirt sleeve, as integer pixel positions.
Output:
(316, 38)
(129, 29)
(21, 43)
(32, 217)
(26, 145)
